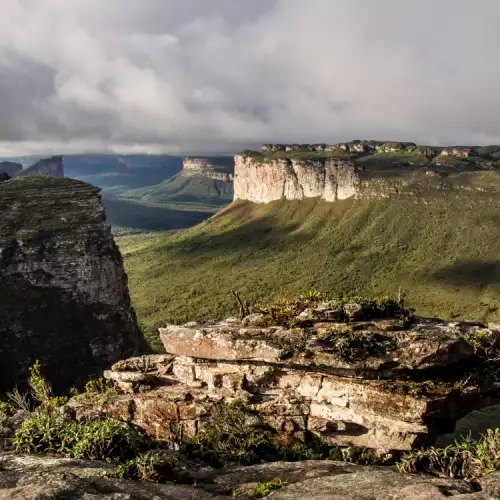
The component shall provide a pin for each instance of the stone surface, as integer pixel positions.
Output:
(46, 478)
(49, 478)
(63, 291)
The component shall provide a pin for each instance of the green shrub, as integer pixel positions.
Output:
(468, 459)
(284, 312)
(98, 390)
(155, 467)
(108, 440)
(265, 488)
(230, 437)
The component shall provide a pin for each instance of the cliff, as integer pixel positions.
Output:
(261, 182)
(353, 169)
(63, 291)
(52, 166)
(219, 169)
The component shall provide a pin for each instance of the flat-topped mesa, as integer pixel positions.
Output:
(220, 169)
(52, 166)
(340, 375)
(360, 169)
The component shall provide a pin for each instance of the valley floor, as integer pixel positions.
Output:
(443, 254)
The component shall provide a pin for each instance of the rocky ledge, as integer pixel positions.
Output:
(41, 478)
(337, 375)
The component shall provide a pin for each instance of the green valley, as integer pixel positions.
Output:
(440, 245)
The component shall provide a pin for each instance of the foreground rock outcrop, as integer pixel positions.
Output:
(63, 290)
(41, 478)
(335, 378)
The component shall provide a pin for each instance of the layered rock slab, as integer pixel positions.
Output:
(408, 386)
(63, 291)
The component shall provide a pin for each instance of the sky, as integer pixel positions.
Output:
(194, 76)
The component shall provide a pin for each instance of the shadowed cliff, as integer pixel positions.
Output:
(63, 292)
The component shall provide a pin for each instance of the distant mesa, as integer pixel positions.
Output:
(52, 166)
(348, 169)
(10, 168)
(369, 146)
(217, 168)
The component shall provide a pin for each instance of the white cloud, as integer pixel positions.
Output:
(219, 75)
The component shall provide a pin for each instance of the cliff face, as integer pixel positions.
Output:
(48, 166)
(262, 182)
(217, 169)
(63, 290)
(358, 168)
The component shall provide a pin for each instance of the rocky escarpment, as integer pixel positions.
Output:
(334, 378)
(63, 291)
(52, 166)
(219, 169)
(352, 169)
(261, 182)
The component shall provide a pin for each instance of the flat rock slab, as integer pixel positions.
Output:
(27, 477)
(373, 349)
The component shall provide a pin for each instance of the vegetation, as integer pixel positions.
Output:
(442, 252)
(186, 189)
(149, 466)
(468, 459)
(231, 437)
(107, 440)
(265, 488)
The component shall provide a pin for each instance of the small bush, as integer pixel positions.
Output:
(284, 312)
(108, 440)
(265, 488)
(99, 390)
(154, 467)
(468, 459)
(230, 437)
(356, 346)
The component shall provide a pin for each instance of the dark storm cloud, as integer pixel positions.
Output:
(219, 75)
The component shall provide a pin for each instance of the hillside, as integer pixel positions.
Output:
(438, 240)
(202, 181)
(184, 189)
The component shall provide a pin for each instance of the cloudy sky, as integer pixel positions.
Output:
(220, 75)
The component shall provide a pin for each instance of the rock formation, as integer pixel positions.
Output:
(383, 383)
(52, 166)
(338, 171)
(63, 291)
(38, 477)
(10, 168)
(262, 182)
(220, 169)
